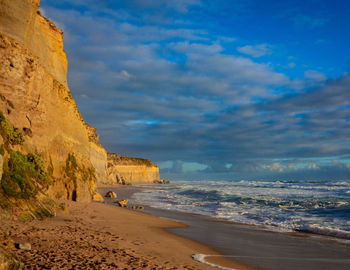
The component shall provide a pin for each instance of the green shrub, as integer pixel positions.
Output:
(26, 216)
(24, 175)
(9, 132)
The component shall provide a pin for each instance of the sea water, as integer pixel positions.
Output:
(321, 207)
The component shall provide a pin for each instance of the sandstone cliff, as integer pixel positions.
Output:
(35, 100)
(127, 170)
(98, 155)
(41, 129)
(21, 20)
(47, 151)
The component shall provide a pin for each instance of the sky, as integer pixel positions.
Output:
(239, 89)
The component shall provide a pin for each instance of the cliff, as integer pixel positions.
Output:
(98, 155)
(39, 109)
(41, 129)
(21, 20)
(47, 151)
(127, 170)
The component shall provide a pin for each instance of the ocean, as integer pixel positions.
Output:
(320, 207)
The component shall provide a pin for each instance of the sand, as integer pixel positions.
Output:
(104, 236)
(254, 245)
(100, 236)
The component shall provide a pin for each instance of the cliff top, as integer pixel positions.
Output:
(50, 24)
(124, 160)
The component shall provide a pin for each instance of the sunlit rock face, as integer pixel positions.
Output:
(98, 155)
(34, 97)
(127, 170)
(21, 20)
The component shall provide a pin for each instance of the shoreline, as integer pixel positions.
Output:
(127, 191)
(101, 236)
(256, 246)
(214, 259)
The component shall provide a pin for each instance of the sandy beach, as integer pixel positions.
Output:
(254, 245)
(100, 236)
(104, 236)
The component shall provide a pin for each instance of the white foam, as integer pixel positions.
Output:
(326, 231)
(201, 258)
(275, 205)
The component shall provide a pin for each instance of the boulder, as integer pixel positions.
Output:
(97, 197)
(122, 203)
(111, 194)
(161, 181)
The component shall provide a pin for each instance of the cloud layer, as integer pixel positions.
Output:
(200, 104)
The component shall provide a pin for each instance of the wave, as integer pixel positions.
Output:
(201, 258)
(321, 207)
(324, 231)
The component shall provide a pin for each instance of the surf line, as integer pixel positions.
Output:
(201, 258)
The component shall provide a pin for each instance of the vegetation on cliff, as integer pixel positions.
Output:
(124, 160)
(24, 176)
(11, 134)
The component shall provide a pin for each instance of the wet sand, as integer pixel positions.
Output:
(101, 236)
(255, 246)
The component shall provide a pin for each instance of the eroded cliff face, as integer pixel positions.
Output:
(98, 155)
(127, 170)
(35, 99)
(46, 148)
(21, 20)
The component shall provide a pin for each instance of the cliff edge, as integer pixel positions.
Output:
(40, 123)
(128, 170)
(41, 129)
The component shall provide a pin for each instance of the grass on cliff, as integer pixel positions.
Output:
(124, 160)
(24, 176)
(10, 133)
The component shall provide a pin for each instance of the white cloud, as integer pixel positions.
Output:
(201, 96)
(123, 75)
(255, 50)
(314, 75)
(196, 48)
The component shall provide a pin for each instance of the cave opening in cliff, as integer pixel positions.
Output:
(74, 195)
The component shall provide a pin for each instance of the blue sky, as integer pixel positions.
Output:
(214, 89)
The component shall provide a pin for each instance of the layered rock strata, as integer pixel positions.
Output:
(127, 170)
(46, 127)
(34, 98)
(98, 155)
(22, 21)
